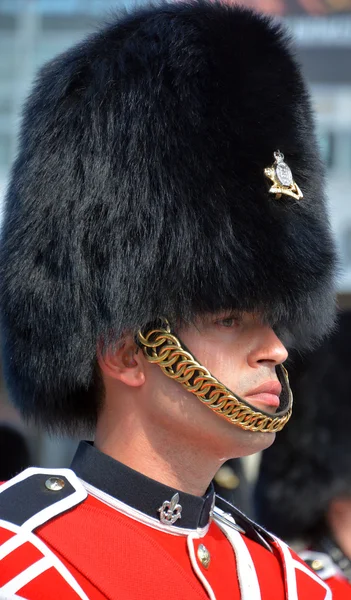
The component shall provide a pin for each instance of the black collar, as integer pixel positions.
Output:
(137, 490)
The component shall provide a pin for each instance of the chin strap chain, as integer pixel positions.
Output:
(162, 347)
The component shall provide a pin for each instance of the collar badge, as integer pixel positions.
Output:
(282, 178)
(170, 511)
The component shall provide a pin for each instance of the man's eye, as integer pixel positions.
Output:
(228, 322)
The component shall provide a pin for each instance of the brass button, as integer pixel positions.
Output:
(55, 484)
(204, 556)
(317, 565)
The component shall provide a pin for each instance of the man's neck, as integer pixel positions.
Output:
(160, 457)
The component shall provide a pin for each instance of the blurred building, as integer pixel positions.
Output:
(33, 31)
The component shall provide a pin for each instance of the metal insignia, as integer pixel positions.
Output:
(282, 178)
(55, 484)
(170, 511)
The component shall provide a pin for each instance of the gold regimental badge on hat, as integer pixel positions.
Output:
(281, 176)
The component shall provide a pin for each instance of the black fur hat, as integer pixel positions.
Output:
(310, 462)
(139, 192)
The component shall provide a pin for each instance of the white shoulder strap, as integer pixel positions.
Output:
(247, 576)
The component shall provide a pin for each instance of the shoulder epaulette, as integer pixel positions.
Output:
(28, 501)
(320, 563)
(37, 495)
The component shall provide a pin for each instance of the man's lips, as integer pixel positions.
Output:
(268, 393)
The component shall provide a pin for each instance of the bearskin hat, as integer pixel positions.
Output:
(139, 192)
(310, 461)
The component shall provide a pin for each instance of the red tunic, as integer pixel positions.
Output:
(91, 546)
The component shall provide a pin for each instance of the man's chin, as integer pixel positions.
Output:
(248, 443)
(243, 442)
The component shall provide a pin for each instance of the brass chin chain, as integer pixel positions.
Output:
(163, 348)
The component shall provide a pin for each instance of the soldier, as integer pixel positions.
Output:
(165, 231)
(304, 488)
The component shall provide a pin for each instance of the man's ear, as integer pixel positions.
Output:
(123, 362)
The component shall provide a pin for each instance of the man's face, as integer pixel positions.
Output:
(242, 353)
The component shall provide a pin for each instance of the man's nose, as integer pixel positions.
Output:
(267, 349)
